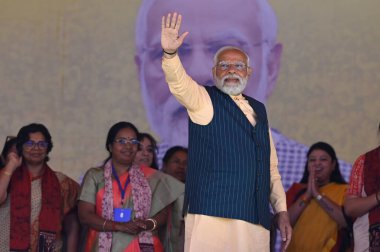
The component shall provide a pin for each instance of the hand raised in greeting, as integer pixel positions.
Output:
(170, 39)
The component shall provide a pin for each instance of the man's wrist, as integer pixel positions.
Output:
(169, 53)
(168, 56)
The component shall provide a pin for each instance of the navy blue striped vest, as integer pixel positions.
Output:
(228, 173)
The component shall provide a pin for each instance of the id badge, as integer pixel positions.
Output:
(122, 214)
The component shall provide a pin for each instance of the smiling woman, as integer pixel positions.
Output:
(147, 153)
(32, 190)
(315, 204)
(125, 204)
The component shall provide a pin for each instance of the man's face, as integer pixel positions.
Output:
(212, 25)
(231, 71)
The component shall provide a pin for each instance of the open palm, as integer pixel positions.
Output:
(170, 39)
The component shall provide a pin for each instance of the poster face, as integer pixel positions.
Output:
(76, 67)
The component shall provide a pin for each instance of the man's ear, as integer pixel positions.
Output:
(249, 71)
(274, 62)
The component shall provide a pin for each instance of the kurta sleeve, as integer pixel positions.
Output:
(189, 93)
(277, 195)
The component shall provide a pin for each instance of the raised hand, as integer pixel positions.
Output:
(170, 39)
(13, 161)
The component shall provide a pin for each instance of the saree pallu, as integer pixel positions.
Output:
(69, 193)
(315, 230)
(165, 191)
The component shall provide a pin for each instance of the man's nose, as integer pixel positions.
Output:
(231, 69)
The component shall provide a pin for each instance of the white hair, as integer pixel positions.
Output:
(225, 48)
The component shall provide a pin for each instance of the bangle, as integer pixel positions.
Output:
(318, 197)
(104, 225)
(7, 173)
(168, 53)
(154, 224)
(377, 198)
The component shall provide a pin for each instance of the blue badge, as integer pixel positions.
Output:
(122, 214)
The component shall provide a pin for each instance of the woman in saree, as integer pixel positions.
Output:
(315, 204)
(363, 200)
(125, 205)
(37, 204)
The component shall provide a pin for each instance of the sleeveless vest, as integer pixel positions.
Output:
(228, 173)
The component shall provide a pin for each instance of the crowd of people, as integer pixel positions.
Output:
(215, 195)
(128, 204)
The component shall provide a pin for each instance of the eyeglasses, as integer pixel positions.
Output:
(31, 144)
(124, 141)
(224, 65)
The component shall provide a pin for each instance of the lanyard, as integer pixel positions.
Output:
(122, 190)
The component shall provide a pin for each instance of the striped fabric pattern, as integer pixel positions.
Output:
(229, 163)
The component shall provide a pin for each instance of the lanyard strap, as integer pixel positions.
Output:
(122, 190)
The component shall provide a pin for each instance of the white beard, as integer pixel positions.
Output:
(231, 89)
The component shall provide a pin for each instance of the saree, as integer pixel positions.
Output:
(165, 191)
(69, 192)
(371, 186)
(315, 230)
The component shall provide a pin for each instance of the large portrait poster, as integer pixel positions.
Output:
(78, 67)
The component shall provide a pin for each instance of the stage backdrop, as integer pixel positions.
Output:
(70, 65)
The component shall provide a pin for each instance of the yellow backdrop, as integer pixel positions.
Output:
(70, 65)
